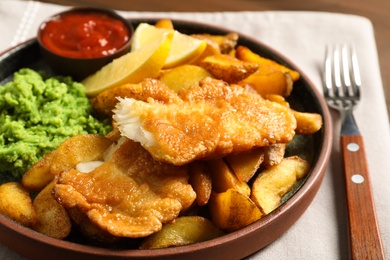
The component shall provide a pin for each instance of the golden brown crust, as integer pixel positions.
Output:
(210, 121)
(130, 195)
(106, 101)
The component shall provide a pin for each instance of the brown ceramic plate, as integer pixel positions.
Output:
(235, 245)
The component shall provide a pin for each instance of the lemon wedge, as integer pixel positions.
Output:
(133, 67)
(184, 49)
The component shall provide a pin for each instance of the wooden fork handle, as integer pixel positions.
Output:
(365, 238)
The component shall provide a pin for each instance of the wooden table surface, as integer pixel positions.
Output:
(375, 10)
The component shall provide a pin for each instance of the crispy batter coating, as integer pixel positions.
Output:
(106, 101)
(207, 122)
(130, 195)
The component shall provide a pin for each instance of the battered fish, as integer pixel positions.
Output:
(206, 122)
(129, 195)
(106, 101)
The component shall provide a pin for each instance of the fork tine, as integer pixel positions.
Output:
(345, 62)
(356, 73)
(341, 75)
(337, 71)
(328, 84)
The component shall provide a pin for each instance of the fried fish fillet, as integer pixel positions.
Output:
(206, 122)
(130, 194)
(106, 101)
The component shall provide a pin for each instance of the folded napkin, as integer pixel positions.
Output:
(321, 232)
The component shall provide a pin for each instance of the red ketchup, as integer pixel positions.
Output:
(84, 35)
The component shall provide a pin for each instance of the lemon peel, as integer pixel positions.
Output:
(185, 48)
(133, 67)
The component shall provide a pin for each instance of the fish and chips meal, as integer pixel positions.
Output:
(198, 144)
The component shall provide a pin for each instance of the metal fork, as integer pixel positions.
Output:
(342, 84)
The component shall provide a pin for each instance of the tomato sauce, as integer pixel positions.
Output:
(84, 35)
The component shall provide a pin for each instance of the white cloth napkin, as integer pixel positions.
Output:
(301, 37)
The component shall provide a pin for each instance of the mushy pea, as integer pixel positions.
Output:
(37, 114)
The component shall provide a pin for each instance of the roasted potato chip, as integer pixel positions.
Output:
(275, 82)
(245, 54)
(223, 178)
(15, 203)
(212, 48)
(228, 68)
(278, 99)
(273, 183)
(307, 123)
(165, 24)
(200, 181)
(183, 77)
(38, 176)
(53, 220)
(245, 165)
(78, 149)
(232, 210)
(226, 43)
(182, 231)
(89, 230)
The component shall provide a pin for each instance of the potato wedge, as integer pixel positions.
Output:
(275, 82)
(273, 183)
(165, 24)
(212, 48)
(278, 99)
(226, 43)
(232, 210)
(38, 176)
(228, 68)
(245, 165)
(245, 54)
(223, 178)
(53, 220)
(182, 231)
(201, 182)
(89, 230)
(307, 123)
(183, 77)
(15, 203)
(77, 149)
